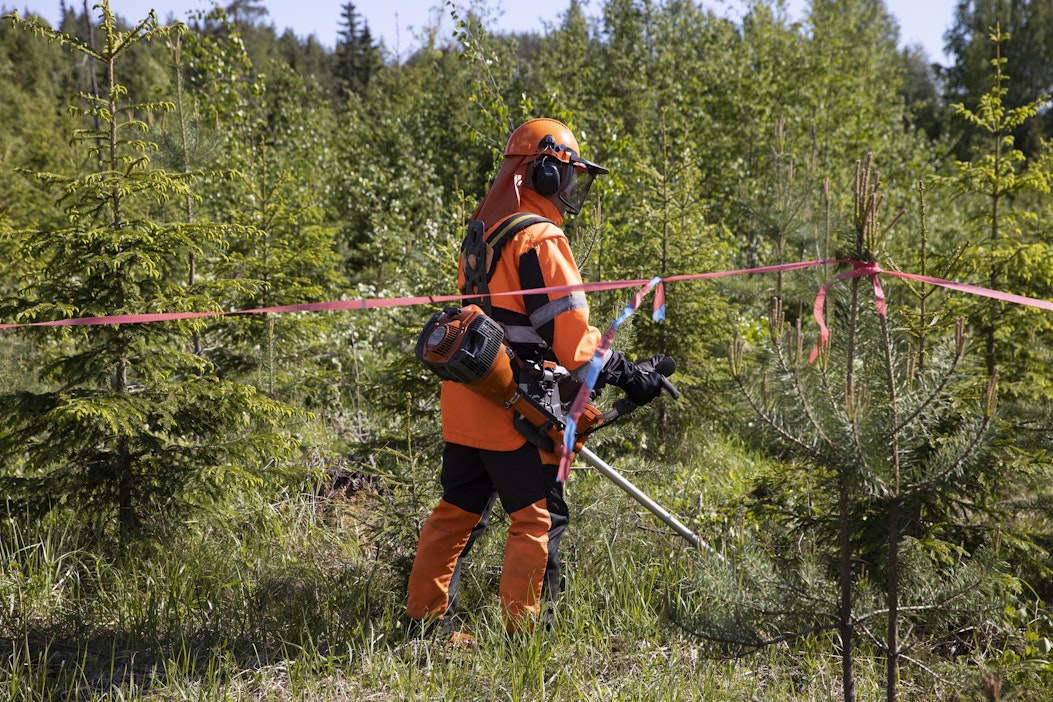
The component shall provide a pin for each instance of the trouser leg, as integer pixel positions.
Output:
(526, 560)
(442, 539)
(477, 531)
(447, 534)
(533, 499)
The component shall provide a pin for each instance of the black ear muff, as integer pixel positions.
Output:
(546, 175)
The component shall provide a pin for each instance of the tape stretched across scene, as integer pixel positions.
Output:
(873, 270)
(382, 302)
(859, 269)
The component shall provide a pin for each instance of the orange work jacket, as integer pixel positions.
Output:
(538, 256)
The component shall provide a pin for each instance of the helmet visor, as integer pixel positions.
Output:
(576, 189)
(580, 177)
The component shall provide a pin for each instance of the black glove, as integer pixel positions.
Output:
(641, 383)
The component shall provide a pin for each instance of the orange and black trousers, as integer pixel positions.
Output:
(471, 480)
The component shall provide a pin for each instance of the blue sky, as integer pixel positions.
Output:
(400, 22)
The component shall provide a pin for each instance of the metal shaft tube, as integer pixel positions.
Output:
(618, 479)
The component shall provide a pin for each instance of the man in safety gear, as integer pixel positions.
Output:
(485, 456)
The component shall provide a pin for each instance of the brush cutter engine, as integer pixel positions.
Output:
(464, 345)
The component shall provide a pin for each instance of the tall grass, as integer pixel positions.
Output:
(300, 598)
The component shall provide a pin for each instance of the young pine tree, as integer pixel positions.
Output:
(1003, 195)
(128, 425)
(871, 524)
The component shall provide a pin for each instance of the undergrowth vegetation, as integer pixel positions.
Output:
(300, 596)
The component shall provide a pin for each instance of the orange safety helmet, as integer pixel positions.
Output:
(553, 148)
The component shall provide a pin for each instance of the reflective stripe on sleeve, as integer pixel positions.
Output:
(547, 313)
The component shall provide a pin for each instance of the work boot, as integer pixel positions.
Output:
(461, 639)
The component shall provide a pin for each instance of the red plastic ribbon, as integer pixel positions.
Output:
(872, 270)
(975, 290)
(337, 305)
(376, 303)
(859, 269)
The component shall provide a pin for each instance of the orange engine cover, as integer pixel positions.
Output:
(464, 345)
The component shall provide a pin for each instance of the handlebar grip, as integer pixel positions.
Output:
(623, 405)
(670, 388)
(666, 367)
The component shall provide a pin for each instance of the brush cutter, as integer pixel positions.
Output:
(464, 345)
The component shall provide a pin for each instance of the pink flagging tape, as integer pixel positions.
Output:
(659, 302)
(859, 269)
(380, 302)
(975, 290)
(338, 305)
(782, 267)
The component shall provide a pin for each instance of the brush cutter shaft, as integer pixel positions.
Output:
(598, 463)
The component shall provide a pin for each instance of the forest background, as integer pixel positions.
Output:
(226, 505)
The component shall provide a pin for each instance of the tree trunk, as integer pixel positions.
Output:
(892, 656)
(845, 625)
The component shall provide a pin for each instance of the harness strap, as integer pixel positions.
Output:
(480, 254)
